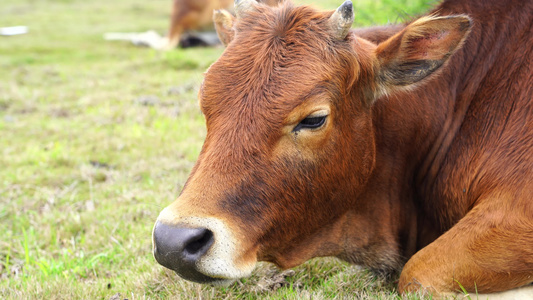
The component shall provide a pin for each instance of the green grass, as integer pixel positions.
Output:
(97, 137)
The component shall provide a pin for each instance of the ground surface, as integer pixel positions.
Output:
(97, 137)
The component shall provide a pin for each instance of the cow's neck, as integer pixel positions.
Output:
(415, 129)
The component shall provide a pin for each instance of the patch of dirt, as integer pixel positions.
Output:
(182, 89)
(117, 296)
(99, 164)
(275, 281)
(4, 105)
(14, 270)
(59, 113)
(147, 100)
(25, 110)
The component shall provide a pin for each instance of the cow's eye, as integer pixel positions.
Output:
(311, 122)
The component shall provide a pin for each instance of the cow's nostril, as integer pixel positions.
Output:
(200, 243)
(179, 248)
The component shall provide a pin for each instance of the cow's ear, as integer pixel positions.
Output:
(224, 25)
(419, 50)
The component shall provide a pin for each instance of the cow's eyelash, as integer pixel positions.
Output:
(311, 122)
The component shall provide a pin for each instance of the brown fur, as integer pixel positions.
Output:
(435, 170)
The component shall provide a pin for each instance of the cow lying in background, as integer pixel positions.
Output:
(408, 148)
(195, 14)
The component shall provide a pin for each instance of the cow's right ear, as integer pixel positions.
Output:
(224, 25)
(418, 51)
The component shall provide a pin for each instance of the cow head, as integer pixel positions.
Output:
(290, 142)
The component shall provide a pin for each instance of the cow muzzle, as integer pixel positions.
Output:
(180, 249)
(201, 250)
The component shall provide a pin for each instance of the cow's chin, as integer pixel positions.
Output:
(218, 273)
(209, 280)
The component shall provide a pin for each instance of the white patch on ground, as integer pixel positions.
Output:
(523, 293)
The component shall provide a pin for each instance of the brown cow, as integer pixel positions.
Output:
(194, 14)
(411, 148)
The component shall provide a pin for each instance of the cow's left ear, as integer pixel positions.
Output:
(419, 50)
(224, 25)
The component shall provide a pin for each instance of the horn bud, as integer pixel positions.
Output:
(243, 6)
(341, 20)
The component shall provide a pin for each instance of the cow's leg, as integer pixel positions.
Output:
(179, 11)
(489, 250)
(187, 15)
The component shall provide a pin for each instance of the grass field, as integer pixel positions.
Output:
(97, 137)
